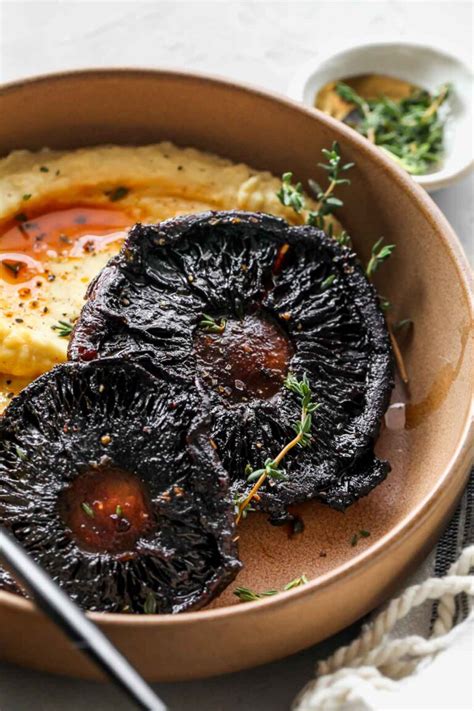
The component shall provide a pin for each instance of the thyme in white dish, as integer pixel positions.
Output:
(410, 130)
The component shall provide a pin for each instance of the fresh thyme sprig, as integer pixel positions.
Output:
(380, 254)
(409, 130)
(209, 324)
(327, 201)
(302, 438)
(248, 595)
(303, 390)
(292, 195)
(64, 328)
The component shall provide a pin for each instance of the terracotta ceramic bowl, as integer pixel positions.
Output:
(427, 280)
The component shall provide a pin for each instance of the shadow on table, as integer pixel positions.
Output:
(268, 688)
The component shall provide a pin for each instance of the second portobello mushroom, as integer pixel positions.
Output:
(225, 305)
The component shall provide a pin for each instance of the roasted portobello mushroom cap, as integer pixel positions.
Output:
(228, 303)
(109, 484)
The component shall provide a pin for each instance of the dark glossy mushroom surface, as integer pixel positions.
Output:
(111, 485)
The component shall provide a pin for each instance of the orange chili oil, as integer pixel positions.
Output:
(248, 359)
(67, 232)
(107, 510)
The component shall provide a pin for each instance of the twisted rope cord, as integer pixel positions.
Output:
(447, 605)
(374, 661)
(431, 589)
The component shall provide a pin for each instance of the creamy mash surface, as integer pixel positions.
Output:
(64, 214)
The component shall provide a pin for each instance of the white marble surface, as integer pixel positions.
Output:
(260, 43)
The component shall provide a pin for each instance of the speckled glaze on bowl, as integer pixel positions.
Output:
(427, 280)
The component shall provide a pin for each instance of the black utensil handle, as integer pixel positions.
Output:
(67, 615)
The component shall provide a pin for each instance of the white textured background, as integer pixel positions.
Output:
(260, 43)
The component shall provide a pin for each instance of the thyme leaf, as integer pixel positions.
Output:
(64, 328)
(328, 282)
(87, 508)
(296, 583)
(209, 324)
(21, 454)
(238, 501)
(248, 595)
(343, 238)
(291, 195)
(380, 254)
(149, 606)
(357, 536)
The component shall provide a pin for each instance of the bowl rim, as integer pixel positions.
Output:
(304, 74)
(463, 453)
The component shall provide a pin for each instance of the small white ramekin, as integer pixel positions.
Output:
(422, 66)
